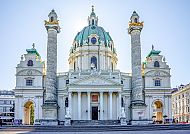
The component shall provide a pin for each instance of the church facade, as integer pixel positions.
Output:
(92, 89)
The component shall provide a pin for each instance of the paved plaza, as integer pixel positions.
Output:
(114, 132)
(146, 129)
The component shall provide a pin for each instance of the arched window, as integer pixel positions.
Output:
(93, 62)
(92, 21)
(30, 63)
(156, 64)
(52, 19)
(135, 20)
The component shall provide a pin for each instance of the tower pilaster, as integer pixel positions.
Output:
(50, 105)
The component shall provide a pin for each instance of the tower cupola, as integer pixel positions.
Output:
(93, 19)
(135, 17)
(52, 16)
(53, 22)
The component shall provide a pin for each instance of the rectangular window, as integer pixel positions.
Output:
(157, 83)
(29, 82)
(4, 109)
(1, 109)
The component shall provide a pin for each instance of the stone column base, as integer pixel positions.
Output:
(49, 114)
(67, 122)
(138, 114)
(123, 121)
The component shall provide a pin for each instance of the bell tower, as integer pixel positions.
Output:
(50, 105)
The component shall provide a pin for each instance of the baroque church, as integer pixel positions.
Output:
(93, 89)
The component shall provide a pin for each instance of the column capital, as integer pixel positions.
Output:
(110, 92)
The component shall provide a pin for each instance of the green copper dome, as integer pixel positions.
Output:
(83, 36)
(93, 35)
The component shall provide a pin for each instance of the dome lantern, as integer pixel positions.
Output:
(93, 19)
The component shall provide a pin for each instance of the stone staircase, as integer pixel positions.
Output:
(94, 122)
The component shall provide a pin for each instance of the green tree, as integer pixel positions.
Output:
(32, 115)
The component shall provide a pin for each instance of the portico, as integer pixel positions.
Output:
(102, 105)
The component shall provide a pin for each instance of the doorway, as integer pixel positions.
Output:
(29, 113)
(158, 109)
(95, 113)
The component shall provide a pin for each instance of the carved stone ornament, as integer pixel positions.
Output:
(29, 72)
(157, 73)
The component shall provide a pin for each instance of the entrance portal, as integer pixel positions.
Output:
(29, 113)
(158, 109)
(94, 113)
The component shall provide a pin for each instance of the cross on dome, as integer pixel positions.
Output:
(152, 47)
(92, 8)
(93, 19)
(33, 45)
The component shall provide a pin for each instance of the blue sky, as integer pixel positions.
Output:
(166, 25)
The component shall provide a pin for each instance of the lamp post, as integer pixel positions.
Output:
(164, 118)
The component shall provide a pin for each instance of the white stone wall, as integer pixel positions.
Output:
(22, 98)
(158, 95)
(34, 93)
(103, 54)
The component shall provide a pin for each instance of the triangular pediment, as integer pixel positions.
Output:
(94, 80)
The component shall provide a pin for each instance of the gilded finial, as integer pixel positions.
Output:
(92, 8)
